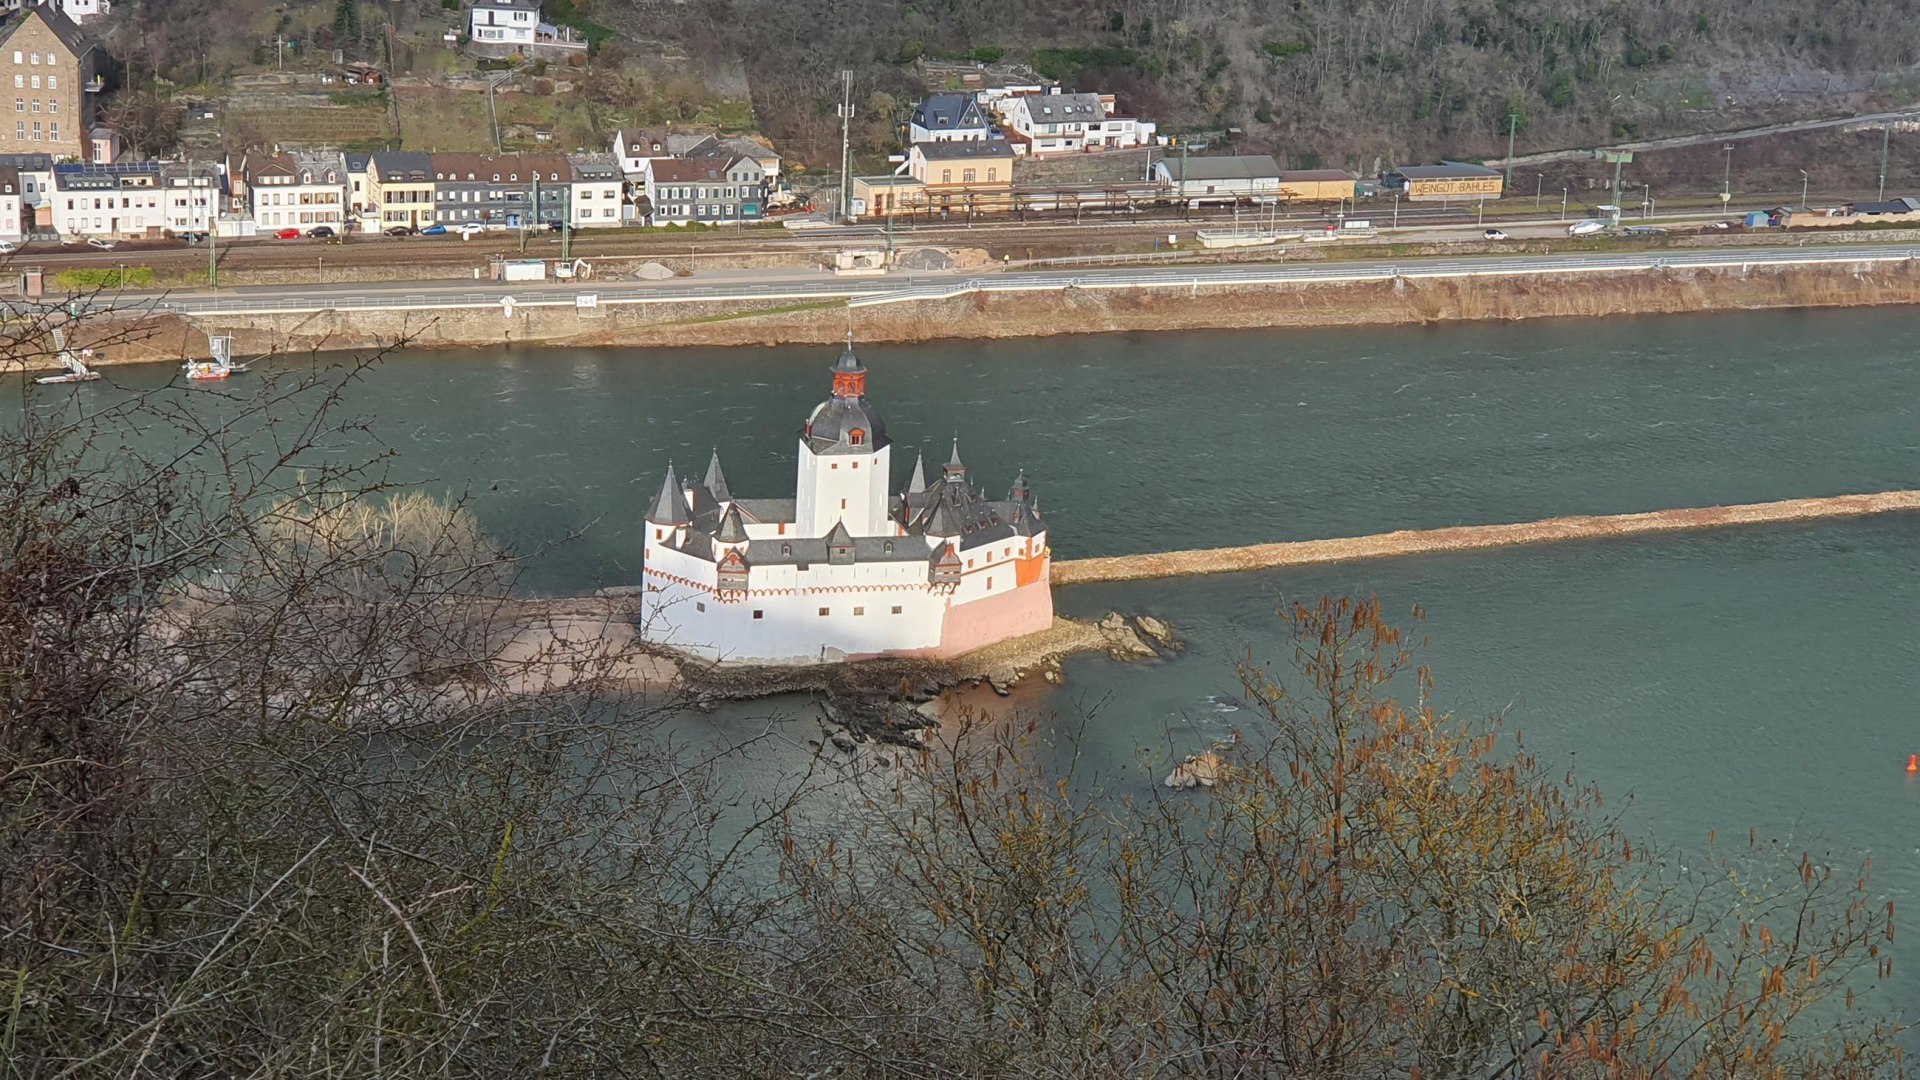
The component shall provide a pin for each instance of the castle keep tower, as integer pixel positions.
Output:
(845, 569)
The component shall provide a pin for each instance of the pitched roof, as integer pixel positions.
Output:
(594, 166)
(919, 481)
(509, 168)
(1300, 175)
(63, 28)
(1238, 167)
(1063, 108)
(402, 165)
(949, 112)
(670, 506)
(732, 530)
(717, 480)
(689, 170)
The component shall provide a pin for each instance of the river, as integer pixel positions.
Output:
(1708, 682)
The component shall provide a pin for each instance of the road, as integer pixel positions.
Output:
(802, 286)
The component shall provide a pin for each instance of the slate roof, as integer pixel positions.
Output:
(403, 166)
(27, 162)
(63, 28)
(1238, 167)
(1892, 206)
(959, 149)
(669, 507)
(717, 480)
(828, 428)
(691, 170)
(1064, 108)
(949, 112)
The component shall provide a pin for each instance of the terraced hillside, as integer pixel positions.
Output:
(348, 120)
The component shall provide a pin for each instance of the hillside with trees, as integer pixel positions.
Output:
(1338, 83)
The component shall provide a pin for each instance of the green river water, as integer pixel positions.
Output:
(1712, 681)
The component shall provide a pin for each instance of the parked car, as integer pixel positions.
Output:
(1586, 228)
(555, 226)
(434, 230)
(287, 234)
(103, 245)
(1719, 224)
(193, 239)
(401, 230)
(471, 229)
(8, 247)
(1493, 234)
(321, 232)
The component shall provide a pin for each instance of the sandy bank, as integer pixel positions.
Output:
(1472, 537)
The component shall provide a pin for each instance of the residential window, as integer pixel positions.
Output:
(966, 177)
(19, 82)
(16, 56)
(36, 82)
(993, 173)
(53, 82)
(36, 131)
(19, 104)
(36, 104)
(946, 176)
(53, 132)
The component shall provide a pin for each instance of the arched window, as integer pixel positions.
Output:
(856, 436)
(786, 549)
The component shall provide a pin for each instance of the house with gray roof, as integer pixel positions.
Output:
(950, 117)
(1060, 123)
(1235, 177)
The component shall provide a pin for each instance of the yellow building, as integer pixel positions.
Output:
(400, 188)
(1317, 185)
(51, 66)
(884, 196)
(1445, 181)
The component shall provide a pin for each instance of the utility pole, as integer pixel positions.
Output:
(280, 46)
(846, 143)
(1539, 182)
(1513, 124)
(1886, 143)
(1804, 181)
(1726, 178)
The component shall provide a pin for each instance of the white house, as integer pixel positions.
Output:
(1056, 123)
(504, 22)
(848, 567)
(949, 117)
(107, 200)
(82, 10)
(595, 197)
(190, 197)
(302, 191)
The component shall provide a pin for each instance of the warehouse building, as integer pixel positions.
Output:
(1445, 181)
(1253, 177)
(1317, 185)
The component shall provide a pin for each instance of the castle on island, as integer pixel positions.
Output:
(847, 568)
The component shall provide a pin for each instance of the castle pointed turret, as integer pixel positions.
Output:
(954, 469)
(1021, 492)
(717, 480)
(670, 506)
(732, 530)
(919, 482)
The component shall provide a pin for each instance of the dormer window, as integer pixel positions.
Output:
(496, 177)
(786, 549)
(856, 437)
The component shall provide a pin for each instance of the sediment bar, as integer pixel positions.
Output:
(1230, 560)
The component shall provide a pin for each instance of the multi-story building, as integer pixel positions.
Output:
(976, 175)
(360, 207)
(503, 22)
(598, 184)
(33, 174)
(707, 190)
(949, 118)
(108, 200)
(190, 195)
(848, 567)
(48, 65)
(302, 191)
(400, 190)
(1056, 123)
(500, 189)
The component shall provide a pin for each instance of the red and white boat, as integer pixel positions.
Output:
(221, 366)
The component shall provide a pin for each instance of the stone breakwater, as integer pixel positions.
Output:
(1230, 560)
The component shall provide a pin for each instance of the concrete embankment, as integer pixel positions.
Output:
(1473, 537)
(1038, 314)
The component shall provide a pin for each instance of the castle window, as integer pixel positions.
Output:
(888, 547)
(859, 611)
(856, 437)
(896, 609)
(759, 614)
(843, 504)
(989, 581)
(835, 465)
(823, 612)
(856, 442)
(786, 549)
(969, 564)
(701, 605)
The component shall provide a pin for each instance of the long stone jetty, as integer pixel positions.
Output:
(1230, 560)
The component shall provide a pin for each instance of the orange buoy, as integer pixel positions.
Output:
(1913, 762)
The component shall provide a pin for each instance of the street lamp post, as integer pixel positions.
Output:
(1563, 203)
(1539, 182)
(1726, 178)
(1396, 209)
(1803, 189)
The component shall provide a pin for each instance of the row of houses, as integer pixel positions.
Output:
(1037, 120)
